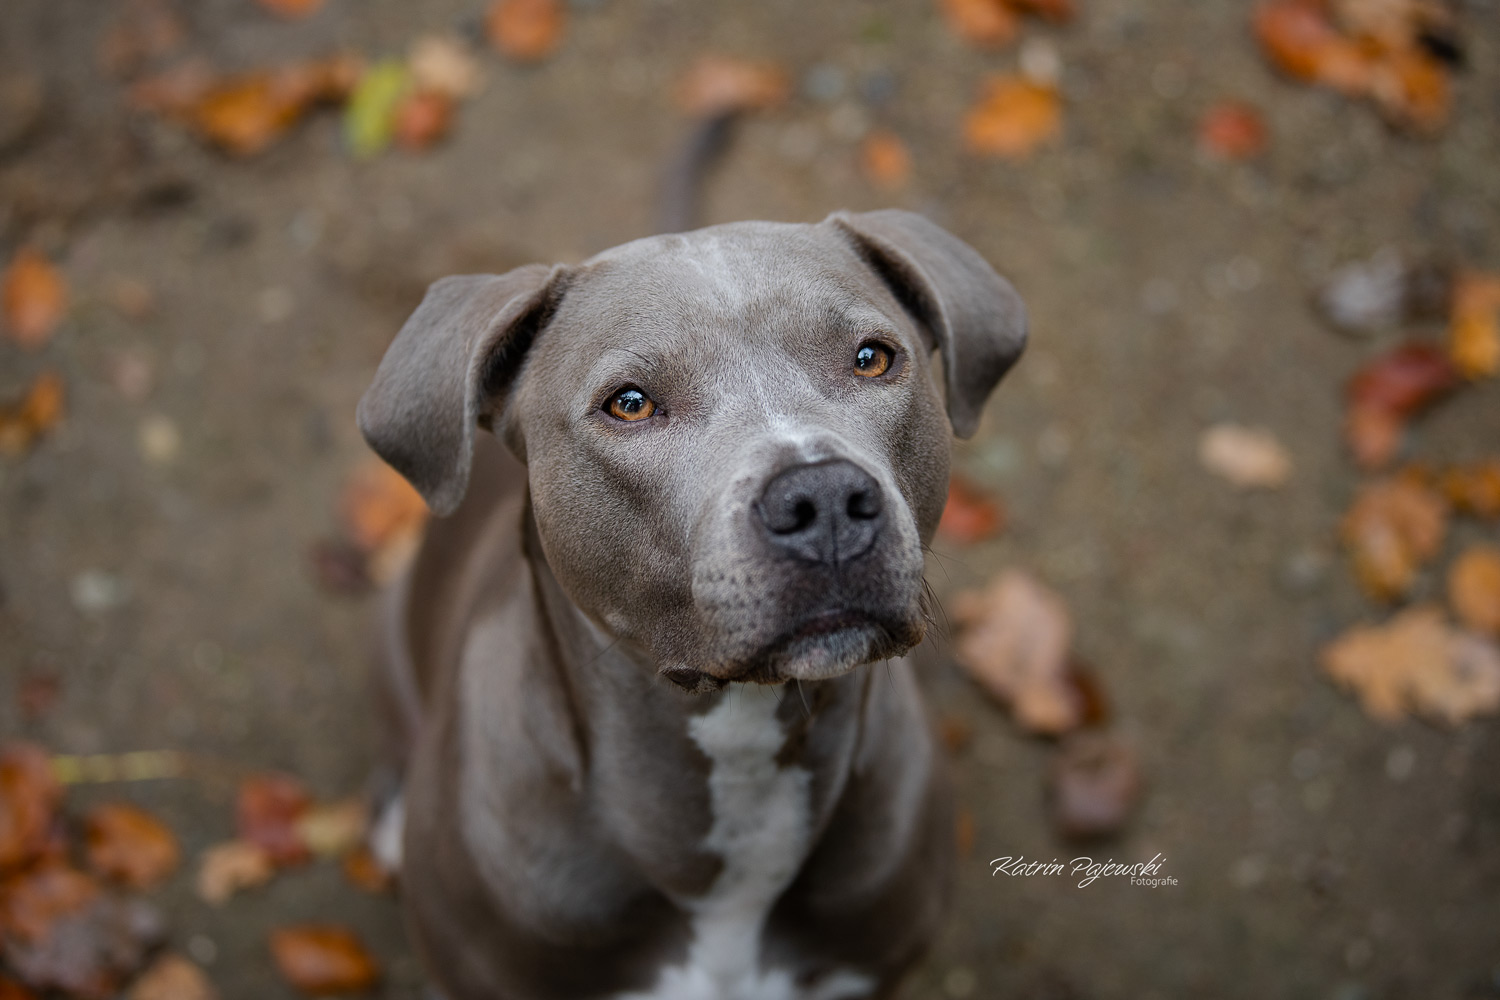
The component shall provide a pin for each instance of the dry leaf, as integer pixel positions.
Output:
(1053, 10)
(1014, 642)
(1388, 391)
(363, 870)
(173, 977)
(884, 160)
(34, 297)
(1473, 489)
(320, 960)
(525, 30)
(1412, 90)
(1094, 785)
(1474, 330)
(1417, 663)
(1013, 117)
(969, 515)
(1232, 130)
(29, 798)
(423, 119)
(987, 23)
(1303, 43)
(266, 814)
(1249, 457)
(31, 902)
(1474, 589)
(383, 517)
(444, 64)
(331, 829)
(715, 85)
(291, 9)
(38, 412)
(226, 868)
(129, 845)
(1394, 526)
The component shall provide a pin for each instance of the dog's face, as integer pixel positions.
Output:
(736, 440)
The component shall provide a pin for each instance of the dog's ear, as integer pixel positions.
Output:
(449, 370)
(975, 317)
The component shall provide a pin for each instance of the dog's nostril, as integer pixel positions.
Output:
(803, 515)
(864, 504)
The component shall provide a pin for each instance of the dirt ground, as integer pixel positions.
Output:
(173, 599)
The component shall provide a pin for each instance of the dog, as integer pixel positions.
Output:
(658, 735)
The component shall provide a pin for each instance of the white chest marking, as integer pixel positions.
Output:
(761, 828)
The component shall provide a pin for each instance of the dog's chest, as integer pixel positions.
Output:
(762, 829)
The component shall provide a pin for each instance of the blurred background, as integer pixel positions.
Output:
(215, 215)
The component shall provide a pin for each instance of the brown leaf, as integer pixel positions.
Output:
(31, 902)
(33, 298)
(1388, 391)
(1013, 117)
(129, 845)
(320, 960)
(986, 23)
(716, 84)
(1232, 130)
(291, 9)
(525, 30)
(226, 868)
(1474, 588)
(423, 119)
(1474, 489)
(1052, 10)
(884, 160)
(1095, 784)
(379, 507)
(1417, 663)
(12, 990)
(23, 423)
(1302, 42)
(363, 870)
(969, 515)
(1412, 90)
(173, 977)
(1015, 640)
(1393, 527)
(332, 829)
(267, 811)
(1474, 330)
(1250, 458)
(29, 798)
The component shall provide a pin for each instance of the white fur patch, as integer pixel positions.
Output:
(387, 834)
(762, 830)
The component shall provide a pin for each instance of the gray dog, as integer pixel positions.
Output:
(639, 758)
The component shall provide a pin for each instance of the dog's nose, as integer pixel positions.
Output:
(823, 512)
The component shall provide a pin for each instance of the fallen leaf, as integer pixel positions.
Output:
(1094, 786)
(31, 902)
(174, 92)
(38, 412)
(1473, 489)
(291, 9)
(423, 119)
(172, 977)
(1249, 457)
(987, 23)
(12, 990)
(147, 30)
(1392, 529)
(1015, 640)
(1302, 42)
(715, 85)
(1232, 130)
(1089, 694)
(1419, 663)
(128, 845)
(363, 870)
(1412, 91)
(1474, 330)
(1013, 117)
(969, 515)
(29, 798)
(34, 297)
(370, 117)
(267, 811)
(444, 64)
(1474, 589)
(226, 868)
(1388, 391)
(320, 960)
(332, 829)
(381, 513)
(525, 30)
(884, 160)
(1052, 10)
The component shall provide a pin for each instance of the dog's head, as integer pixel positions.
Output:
(736, 440)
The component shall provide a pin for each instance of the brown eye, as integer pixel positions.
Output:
(630, 404)
(872, 360)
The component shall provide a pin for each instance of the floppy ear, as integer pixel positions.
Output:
(974, 315)
(450, 369)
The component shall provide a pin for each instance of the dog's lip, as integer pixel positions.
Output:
(827, 623)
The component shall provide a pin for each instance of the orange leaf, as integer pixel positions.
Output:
(129, 845)
(29, 797)
(718, 84)
(267, 812)
(1013, 117)
(1412, 90)
(1474, 489)
(1394, 526)
(1474, 331)
(12, 990)
(291, 9)
(321, 960)
(1474, 588)
(35, 298)
(1233, 130)
(423, 119)
(362, 869)
(31, 902)
(380, 508)
(1301, 41)
(1387, 391)
(987, 23)
(525, 30)
(884, 160)
(37, 413)
(969, 516)
(1052, 10)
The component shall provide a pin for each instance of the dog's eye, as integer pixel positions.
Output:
(630, 404)
(873, 359)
